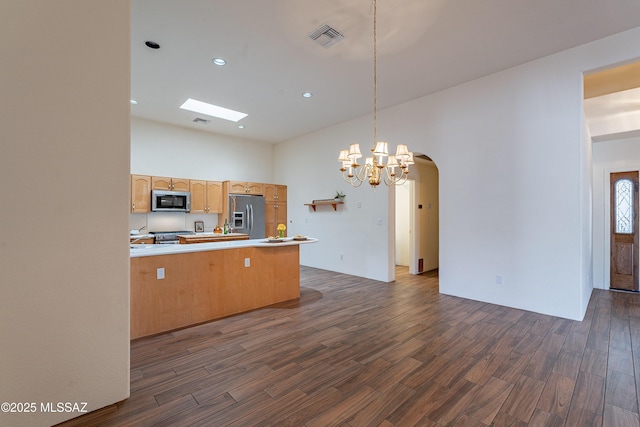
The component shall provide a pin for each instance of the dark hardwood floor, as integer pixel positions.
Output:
(356, 352)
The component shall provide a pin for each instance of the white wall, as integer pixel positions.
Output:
(609, 156)
(165, 150)
(351, 240)
(64, 151)
(511, 156)
(586, 210)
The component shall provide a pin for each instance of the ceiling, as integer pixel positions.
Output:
(423, 46)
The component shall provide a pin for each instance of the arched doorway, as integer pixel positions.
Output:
(417, 218)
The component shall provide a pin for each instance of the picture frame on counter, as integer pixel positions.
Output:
(198, 226)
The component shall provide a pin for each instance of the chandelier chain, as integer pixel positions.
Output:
(380, 167)
(375, 74)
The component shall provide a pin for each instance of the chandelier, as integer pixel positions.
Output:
(375, 170)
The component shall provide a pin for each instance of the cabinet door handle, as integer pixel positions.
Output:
(133, 206)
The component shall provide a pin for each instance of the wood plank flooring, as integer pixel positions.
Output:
(356, 352)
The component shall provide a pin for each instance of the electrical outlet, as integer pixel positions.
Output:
(160, 273)
(498, 280)
(247, 262)
(341, 257)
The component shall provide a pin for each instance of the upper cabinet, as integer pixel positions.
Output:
(210, 196)
(275, 193)
(206, 196)
(140, 193)
(242, 187)
(171, 184)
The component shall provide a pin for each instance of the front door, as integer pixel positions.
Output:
(624, 231)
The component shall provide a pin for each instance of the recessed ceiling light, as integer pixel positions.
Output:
(240, 126)
(219, 61)
(212, 110)
(152, 45)
(307, 94)
(134, 102)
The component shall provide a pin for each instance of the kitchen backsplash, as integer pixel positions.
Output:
(171, 221)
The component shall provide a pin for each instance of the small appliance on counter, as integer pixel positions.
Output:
(168, 237)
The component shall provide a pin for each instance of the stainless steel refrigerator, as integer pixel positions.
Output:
(247, 215)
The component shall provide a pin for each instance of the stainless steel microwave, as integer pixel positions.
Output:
(170, 201)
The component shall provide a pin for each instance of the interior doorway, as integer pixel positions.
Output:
(405, 196)
(417, 218)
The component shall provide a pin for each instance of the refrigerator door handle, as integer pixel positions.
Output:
(247, 223)
(250, 218)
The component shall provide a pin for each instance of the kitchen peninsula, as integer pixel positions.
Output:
(174, 286)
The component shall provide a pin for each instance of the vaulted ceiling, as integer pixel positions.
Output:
(423, 46)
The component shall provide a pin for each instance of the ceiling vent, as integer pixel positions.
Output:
(326, 36)
(202, 121)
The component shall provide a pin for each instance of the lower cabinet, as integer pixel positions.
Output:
(202, 286)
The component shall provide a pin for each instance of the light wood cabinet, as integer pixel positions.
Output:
(214, 196)
(137, 240)
(275, 208)
(275, 193)
(206, 196)
(140, 193)
(242, 187)
(275, 213)
(196, 292)
(171, 184)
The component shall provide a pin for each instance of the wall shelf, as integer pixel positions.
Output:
(331, 202)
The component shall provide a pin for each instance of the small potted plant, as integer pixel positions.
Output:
(339, 196)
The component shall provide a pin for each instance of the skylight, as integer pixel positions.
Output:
(212, 110)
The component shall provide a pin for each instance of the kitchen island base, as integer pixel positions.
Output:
(177, 290)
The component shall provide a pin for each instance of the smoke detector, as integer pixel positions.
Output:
(326, 36)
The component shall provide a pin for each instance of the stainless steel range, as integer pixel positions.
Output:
(168, 237)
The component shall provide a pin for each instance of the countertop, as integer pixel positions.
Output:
(210, 234)
(153, 250)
